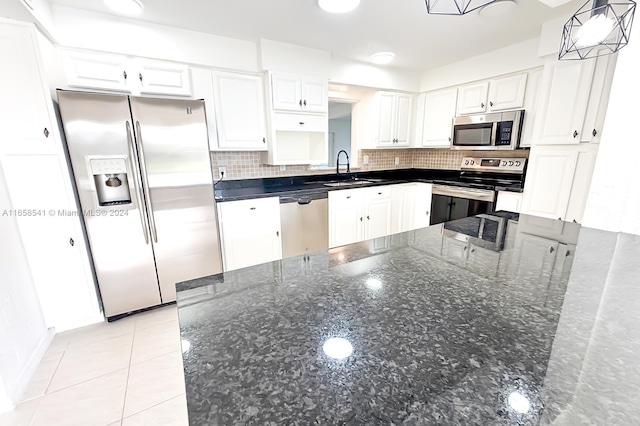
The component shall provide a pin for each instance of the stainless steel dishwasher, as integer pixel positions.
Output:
(305, 224)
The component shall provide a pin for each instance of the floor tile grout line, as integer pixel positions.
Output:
(156, 357)
(126, 386)
(154, 405)
(46, 391)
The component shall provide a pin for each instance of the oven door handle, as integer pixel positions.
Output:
(471, 194)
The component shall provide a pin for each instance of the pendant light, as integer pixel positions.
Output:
(597, 28)
(455, 7)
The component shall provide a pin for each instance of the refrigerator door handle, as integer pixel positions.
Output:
(137, 187)
(145, 185)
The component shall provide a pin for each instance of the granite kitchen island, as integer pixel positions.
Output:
(495, 319)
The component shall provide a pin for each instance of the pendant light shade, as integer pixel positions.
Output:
(598, 28)
(455, 7)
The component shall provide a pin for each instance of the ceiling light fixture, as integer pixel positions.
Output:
(338, 6)
(497, 8)
(383, 58)
(455, 7)
(125, 7)
(597, 28)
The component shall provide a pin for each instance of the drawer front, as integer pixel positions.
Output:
(380, 192)
(238, 211)
(345, 196)
(300, 122)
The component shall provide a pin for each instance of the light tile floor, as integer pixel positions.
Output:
(125, 373)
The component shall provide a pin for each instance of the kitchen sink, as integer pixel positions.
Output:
(348, 183)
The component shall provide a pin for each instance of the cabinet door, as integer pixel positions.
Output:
(377, 218)
(530, 107)
(483, 261)
(203, 89)
(162, 78)
(439, 111)
(250, 232)
(455, 251)
(386, 115)
(565, 94)
(315, 96)
(403, 207)
(25, 121)
(286, 92)
(346, 219)
(402, 119)
(507, 92)
(103, 71)
(240, 111)
(509, 201)
(549, 181)
(598, 99)
(422, 213)
(472, 99)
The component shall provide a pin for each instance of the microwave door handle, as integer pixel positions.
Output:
(494, 132)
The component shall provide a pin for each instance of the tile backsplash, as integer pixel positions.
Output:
(248, 164)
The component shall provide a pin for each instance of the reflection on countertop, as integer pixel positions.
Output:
(423, 327)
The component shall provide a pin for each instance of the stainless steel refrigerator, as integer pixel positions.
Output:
(143, 174)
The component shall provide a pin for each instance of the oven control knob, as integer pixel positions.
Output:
(511, 163)
(504, 163)
(518, 163)
(472, 162)
(466, 162)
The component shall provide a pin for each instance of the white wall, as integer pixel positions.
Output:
(510, 59)
(289, 58)
(614, 197)
(23, 334)
(347, 71)
(341, 129)
(89, 30)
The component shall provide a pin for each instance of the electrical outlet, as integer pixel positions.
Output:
(283, 168)
(397, 161)
(366, 159)
(222, 172)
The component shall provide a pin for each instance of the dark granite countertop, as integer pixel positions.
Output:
(442, 331)
(301, 186)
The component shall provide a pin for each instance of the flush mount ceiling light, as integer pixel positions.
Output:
(338, 6)
(597, 28)
(455, 7)
(497, 8)
(383, 58)
(125, 7)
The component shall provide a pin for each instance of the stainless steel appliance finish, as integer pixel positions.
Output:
(494, 165)
(496, 131)
(484, 230)
(166, 232)
(304, 224)
(467, 193)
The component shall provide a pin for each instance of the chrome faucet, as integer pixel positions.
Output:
(338, 162)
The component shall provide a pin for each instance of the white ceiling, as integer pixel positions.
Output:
(420, 41)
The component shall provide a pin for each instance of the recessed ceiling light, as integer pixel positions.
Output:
(338, 6)
(383, 58)
(125, 7)
(498, 8)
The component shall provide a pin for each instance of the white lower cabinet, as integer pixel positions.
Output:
(345, 217)
(509, 201)
(377, 212)
(422, 205)
(250, 232)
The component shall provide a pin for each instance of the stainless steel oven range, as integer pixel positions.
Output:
(475, 191)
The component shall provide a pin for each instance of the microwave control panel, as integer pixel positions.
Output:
(494, 164)
(504, 133)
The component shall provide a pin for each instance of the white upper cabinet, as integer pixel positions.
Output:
(530, 107)
(598, 99)
(240, 113)
(394, 119)
(439, 111)
(507, 92)
(163, 78)
(498, 94)
(472, 99)
(299, 94)
(129, 75)
(25, 120)
(560, 114)
(202, 83)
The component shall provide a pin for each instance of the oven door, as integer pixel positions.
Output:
(452, 203)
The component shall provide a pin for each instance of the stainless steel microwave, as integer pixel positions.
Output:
(496, 131)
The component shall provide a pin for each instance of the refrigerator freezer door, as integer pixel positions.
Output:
(95, 126)
(174, 154)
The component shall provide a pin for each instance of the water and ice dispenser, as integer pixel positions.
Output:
(110, 178)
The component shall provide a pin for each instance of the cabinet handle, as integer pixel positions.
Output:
(482, 105)
(140, 77)
(124, 74)
(449, 138)
(348, 197)
(368, 218)
(300, 102)
(551, 250)
(72, 242)
(277, 233)
(427, 213)
(360, 219)
(252, 208)
(465, 248)
(301, 123)
(264, 140)
(594, 133)
(575, 134)
(305, 102)
(46, 132)
(490, 103)
(473, 250)
(379, 193)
